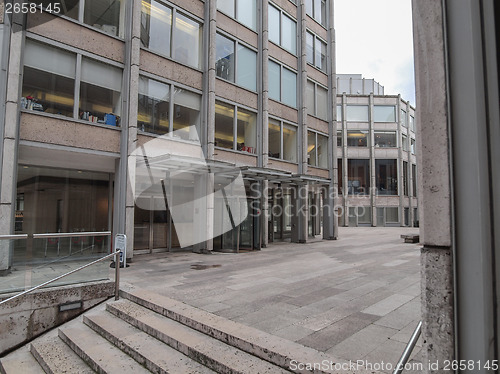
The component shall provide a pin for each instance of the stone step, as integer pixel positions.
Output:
(20, 361)
(56, 357)
(97, 352)
(281, 352)
(210, 352)
(148, 351)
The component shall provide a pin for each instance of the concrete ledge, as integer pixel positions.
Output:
(411, 238)
(30, 315)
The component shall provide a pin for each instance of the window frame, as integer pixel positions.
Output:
(314, 64)
(282, 67)
(319, 22)
(236, 43)
(316, 133)
(392, 132)
(375, 120)
(235, 16)
(315, 97)
(346, 114)
(280, 23)
(281, 123)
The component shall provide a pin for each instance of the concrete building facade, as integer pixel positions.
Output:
(92, 83)
(376, 149)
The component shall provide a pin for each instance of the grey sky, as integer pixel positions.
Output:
(374, 38)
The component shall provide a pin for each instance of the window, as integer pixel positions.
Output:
(317, 100)
(317, 149)
(239, 67)
(49, 82)
(48, 79)
(282, 84)
(384, 113)
(282, 29)
(358, 176)
(282, 140)
(100, 89)
(414, 179)
(392, 214)
(317, 10)
(340, 176)
(405, 178)
(357, 138)
(157, 116)
(405, 142)
(166, 31)
(357, 113)
(105, 15)
(403, 118)
(385, 139)
(386, 177)
(315, 51)
(235, 132)
(339, 138)
(413, 147)
(412, 123)
(245, 11)
(339, 114)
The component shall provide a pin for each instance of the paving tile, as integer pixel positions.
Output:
(387, 305)
(402, 316)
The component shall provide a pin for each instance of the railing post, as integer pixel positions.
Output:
(117, 275)
(409, 348)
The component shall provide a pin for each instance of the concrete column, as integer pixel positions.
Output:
(373, 179)
(300, 213)
(10, 139)
(400, 164)
(435, 188)
(345, 163)
(302, 84)
(209, 89)
(264, 214)
(409, 177)
(263, 82)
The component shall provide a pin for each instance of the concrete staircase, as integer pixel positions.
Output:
(145, 332)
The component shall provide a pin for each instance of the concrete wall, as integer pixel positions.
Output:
(31, 315)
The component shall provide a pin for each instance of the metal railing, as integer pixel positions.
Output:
(117, 276)
(409, 348)
(58, 235)
(17, 236)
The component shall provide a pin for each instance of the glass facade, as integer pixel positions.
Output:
(358, 176)
(384, 113)
(386, 177)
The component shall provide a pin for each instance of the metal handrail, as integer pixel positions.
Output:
(17, 236)
(71, 234)
(117, 277)
(409, 348)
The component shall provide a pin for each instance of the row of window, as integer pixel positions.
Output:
(386, 177)
(383, 139)
(381, 113)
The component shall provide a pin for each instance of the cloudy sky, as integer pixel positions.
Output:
(374, 38)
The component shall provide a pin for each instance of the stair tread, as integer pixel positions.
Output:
(151, 350)
(98, 353)
(187, 339)
(57, 357)
(20, 361)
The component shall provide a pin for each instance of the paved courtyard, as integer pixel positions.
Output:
(357, 298)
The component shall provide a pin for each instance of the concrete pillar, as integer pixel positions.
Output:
(10, 139)
(300, 213)
(302, 84)
(400, 163)
(435, 188)
(373, 179)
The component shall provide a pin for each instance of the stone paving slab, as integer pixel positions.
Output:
(336, 296)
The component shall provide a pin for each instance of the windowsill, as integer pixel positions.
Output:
(171, 59)
(70, 119)
(317, 167)
(281, 160)
(282, 103)
(236, 85)
(317, 68)
(235, 151)
(318, 118)
(284, 49)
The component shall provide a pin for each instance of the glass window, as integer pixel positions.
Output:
(392, 214)
(226, 6)
(274, 24)
(153, 107)
(106, 15)
(339, 113)
(289, 92)
(309, 48)
(320, 54)
(310, 98)
(358, 176)
(322, 151)
(412, 123)
(340, 176)
(187, 41)
(69, 8)
(309, 7)
(339, 138)
(384, 113)
(289, 142)
(357, 138)
(403, 118)
(386, 177)
(321, 102)
(311, 148)
(364, 214)
(414, 179)
(246, 13)
(186, 118)
(289, 34)
(224, 134)
(357, 113)
(317, 10)
(274, 73)
(48, 79)
(246, 131)
(274, 139)
(385, 139)
(224, 57)
(156, 27)
(247, 68)
(405, 142)
(405, 178)
(100, 92)
(412, 145)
